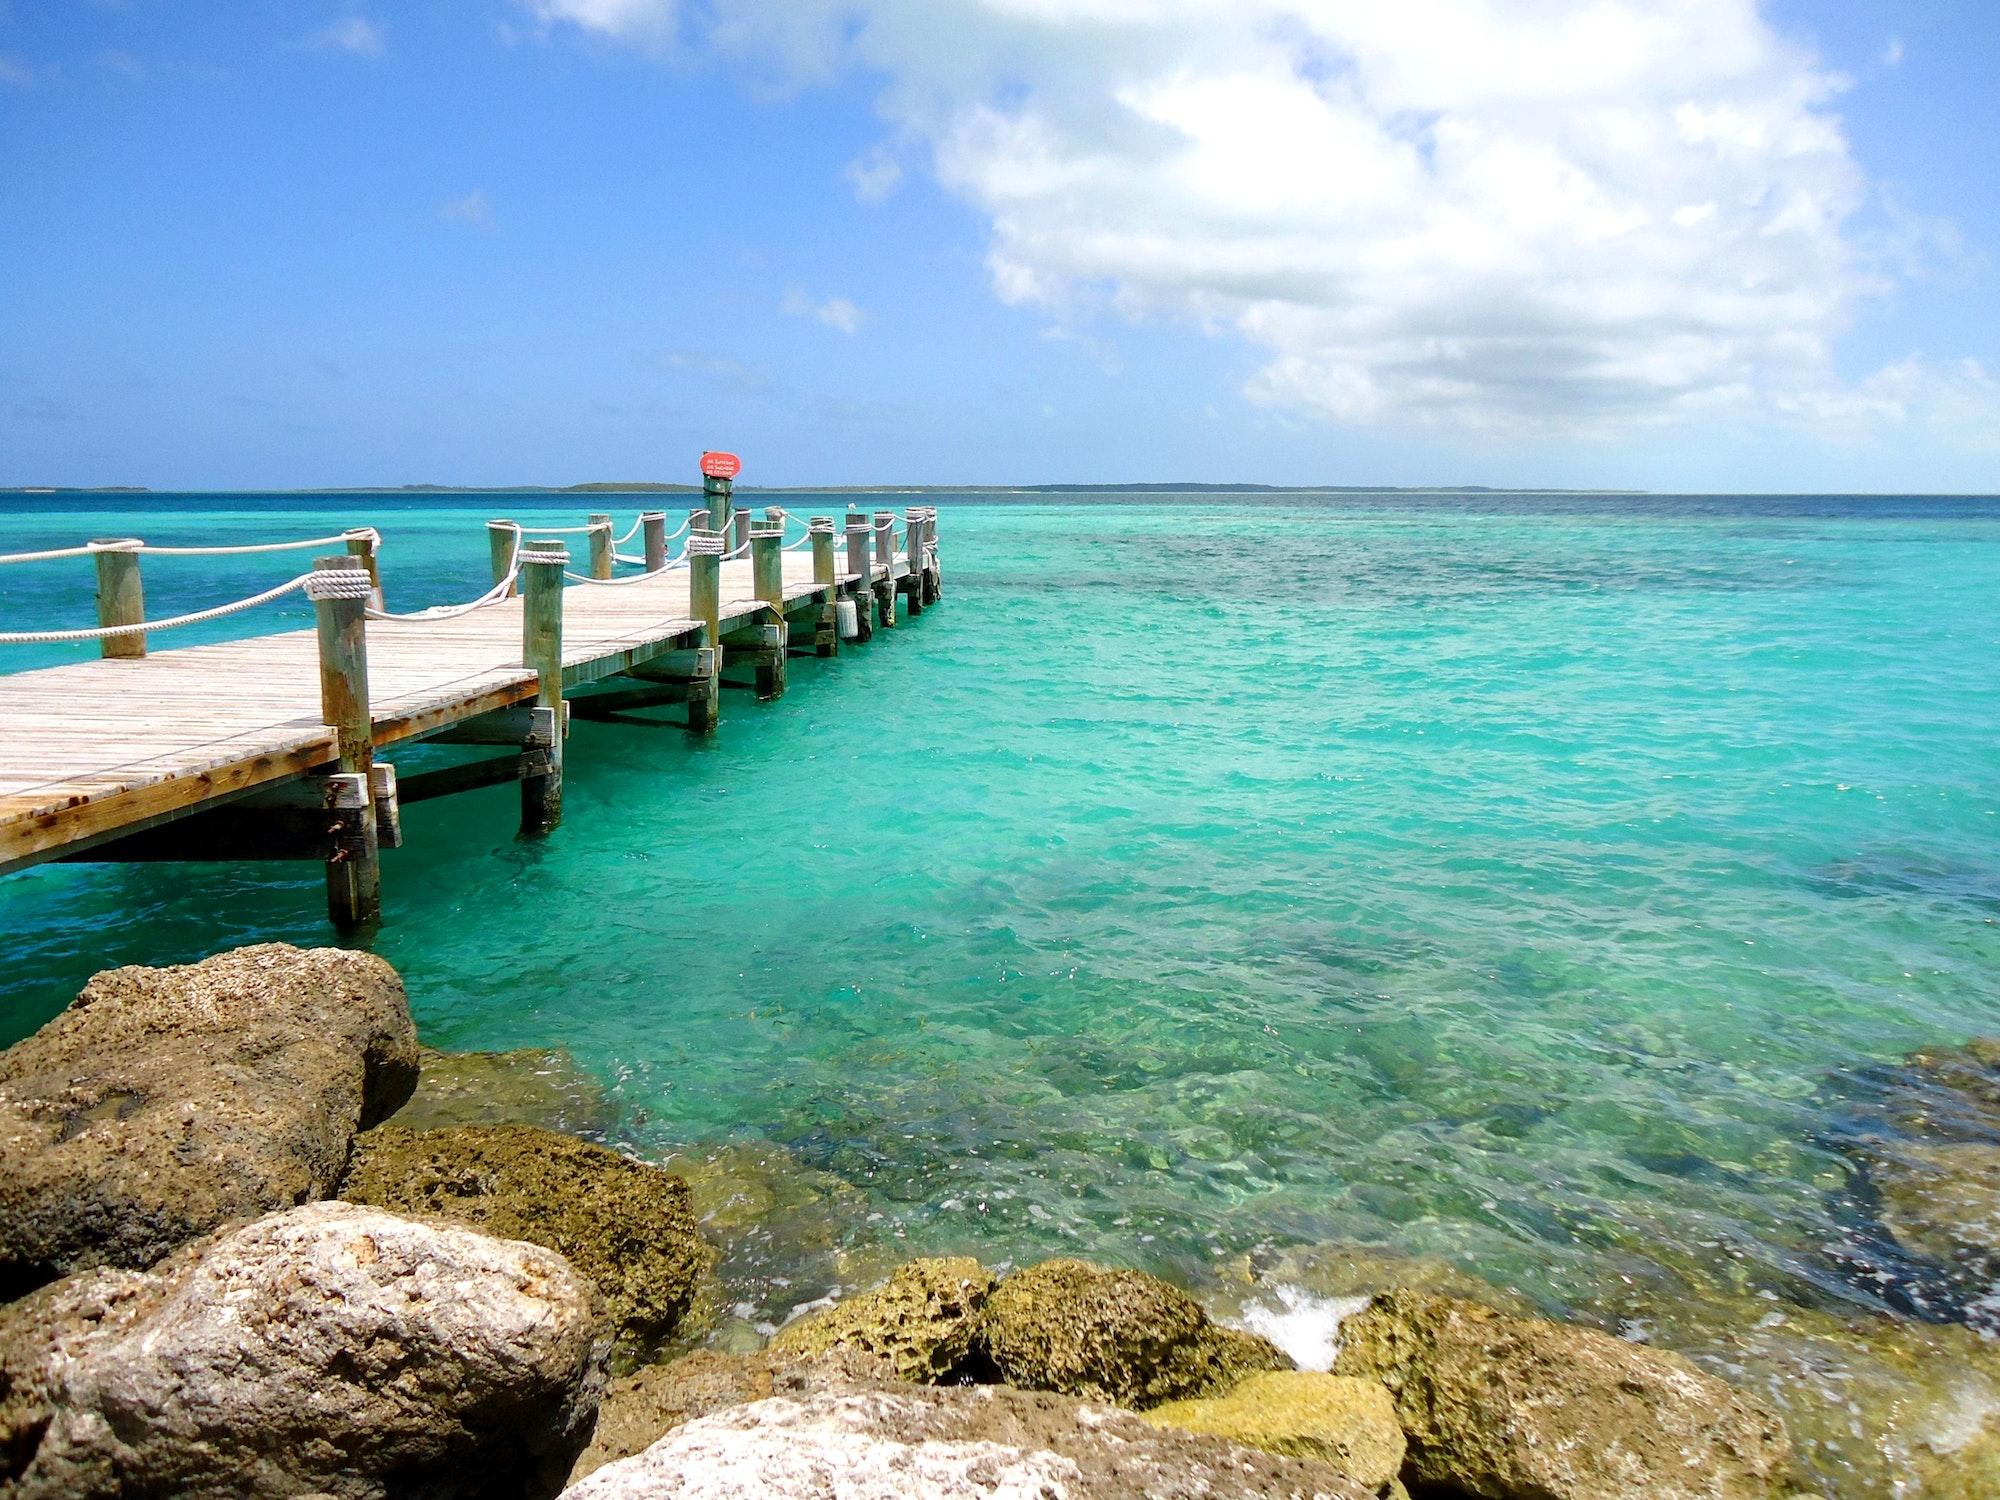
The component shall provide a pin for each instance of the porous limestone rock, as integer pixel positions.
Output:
(1109, 1335)
(950, 1443)
(1350, 1424)
(1524, 1409)
(331, 1351)
(921, 1321)
(166, 1102)
(626, 1225)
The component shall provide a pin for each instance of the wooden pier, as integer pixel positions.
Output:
(274, 747)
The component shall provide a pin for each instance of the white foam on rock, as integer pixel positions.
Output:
(1305, 1327)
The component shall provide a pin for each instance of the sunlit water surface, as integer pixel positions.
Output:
(1500, 878)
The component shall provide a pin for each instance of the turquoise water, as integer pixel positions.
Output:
(1497, 877)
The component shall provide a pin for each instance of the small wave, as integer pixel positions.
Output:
(1305, 1327)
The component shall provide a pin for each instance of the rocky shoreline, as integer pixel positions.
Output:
(255, 1240)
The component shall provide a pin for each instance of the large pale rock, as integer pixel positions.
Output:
(921, 1321)
(1121, 1336)
(331, 1351)
(950, 1443)
(166, 1102)
(1350, 1424)
(627, 1225)
(1525, 1409)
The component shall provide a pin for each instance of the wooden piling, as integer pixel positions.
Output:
(913, 551)
(767, 574)
(739, 545)
(654, 525)
(542, 568)
(827, 642)
(861, 562)
(503, 537)
(354, 868)
(602, 563)
(365, 544)
(121, 596)
(705, 604)
(885, 558)
(718, 495)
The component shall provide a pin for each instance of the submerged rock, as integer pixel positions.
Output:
(1941, 1201)
(166, 1102)
(627, 1226)
(1525, 1409)
(921, 1321)
(1350, 1424)
(958, 1443)
(1925, 1139)
(533, 1086)
(331, 1351)
(1120, 1336)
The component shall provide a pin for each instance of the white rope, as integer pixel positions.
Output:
(132, 545)
(83, 551)
(492, 596)
(630, 562)
(53, 637)
(704, 544)
(374, 539)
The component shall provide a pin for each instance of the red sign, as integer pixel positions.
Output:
(721, 465)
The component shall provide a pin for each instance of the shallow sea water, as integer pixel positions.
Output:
(1502, 878)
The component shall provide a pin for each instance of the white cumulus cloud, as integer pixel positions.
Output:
(1507, 215)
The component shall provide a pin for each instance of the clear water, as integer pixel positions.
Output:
(1500, 877)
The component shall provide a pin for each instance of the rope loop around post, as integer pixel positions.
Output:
(704, 544)
(339, 583)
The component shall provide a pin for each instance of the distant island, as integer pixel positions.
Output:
(650, 487)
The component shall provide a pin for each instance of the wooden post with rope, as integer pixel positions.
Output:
(885, 559)
(913, 551)
(340, 591)
(767, 576)
(603, 563)
(542, 566)
(121, 596)
(654, 524)
(826, 642)
(704, 701)
(504, 538)
(366, 545)
(861, 563)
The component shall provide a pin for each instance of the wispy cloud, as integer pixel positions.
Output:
(1892, 53)
(15, 72)
(648, 24)
(835, 312)
(875, 176)
(355, 35)
(473, 210)
(716, 369)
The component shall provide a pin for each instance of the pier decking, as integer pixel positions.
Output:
(267, 747)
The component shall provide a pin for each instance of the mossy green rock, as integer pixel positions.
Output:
(921, 1321)
(1524, 1409)
(1348, 1423)
(1120, 1336)
(625, 1225)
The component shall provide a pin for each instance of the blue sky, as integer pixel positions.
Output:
(1707, 244)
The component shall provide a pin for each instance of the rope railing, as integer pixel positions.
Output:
(133, 544)
(198, 617)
